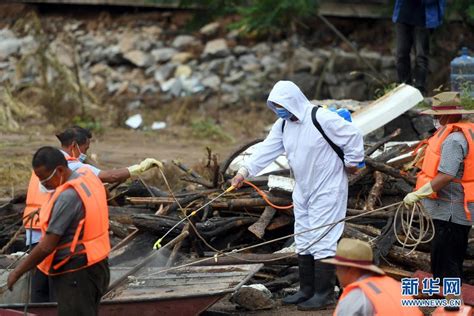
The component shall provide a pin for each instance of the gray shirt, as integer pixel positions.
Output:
(450, 203)
(67, 212)
(356, 303)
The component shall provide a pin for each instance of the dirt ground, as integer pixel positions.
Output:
(114, 148)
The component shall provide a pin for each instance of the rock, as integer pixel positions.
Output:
(423, 125)
(374, 58)
(235, 76)
(182, 58)
(221, 66)
(138, 58)
(261, 49)
(152, 30)
(253, 297)
(270, 63)
(183, 41)
(216, 48)
(240, 50)
(163, 54)
(249, 63)
(164, 72)
(183, 71)
(63, 53)
(127, 42)
(404, 123)
(356, 90)
(9, 47)
(387, 62)
(343, 62)
(213, 82)
(306, 82)
(210, 29)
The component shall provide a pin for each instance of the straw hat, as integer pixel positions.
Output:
(354, 253)
(447, 103)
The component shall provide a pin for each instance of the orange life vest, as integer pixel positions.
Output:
(94, 226)
(432, 159)
(34, 200)
(385, 294)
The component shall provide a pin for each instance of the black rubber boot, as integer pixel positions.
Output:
(324, 282)
(306, 271)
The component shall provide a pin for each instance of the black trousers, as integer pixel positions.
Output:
(448, 249)
(408, 37)
(79, 292)
(41, 286)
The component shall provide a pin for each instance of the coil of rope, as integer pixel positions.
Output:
(407, 216)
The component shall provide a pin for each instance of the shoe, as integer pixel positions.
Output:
(306, 271)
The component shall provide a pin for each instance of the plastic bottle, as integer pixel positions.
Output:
(462, 72)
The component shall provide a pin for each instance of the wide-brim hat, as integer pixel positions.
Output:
(447, 103)
(354, 253)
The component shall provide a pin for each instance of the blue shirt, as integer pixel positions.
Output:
(433, 9)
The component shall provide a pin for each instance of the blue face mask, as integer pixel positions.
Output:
(283, 113)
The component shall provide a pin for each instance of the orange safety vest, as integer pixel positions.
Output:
(385, 294)
(94, 226)
(34, 200)
(432, 159)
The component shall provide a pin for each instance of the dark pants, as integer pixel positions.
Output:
(448, 249)
(408, 36)
(41, 286)
(79, 292)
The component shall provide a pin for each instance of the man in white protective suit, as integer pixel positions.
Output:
(320, 193)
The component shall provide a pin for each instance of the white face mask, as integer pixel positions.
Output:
(436, 123)
(43, 189)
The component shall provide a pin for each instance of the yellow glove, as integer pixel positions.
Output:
(423, 192)
(143, 166)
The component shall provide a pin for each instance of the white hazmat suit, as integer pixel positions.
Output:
(320, 193)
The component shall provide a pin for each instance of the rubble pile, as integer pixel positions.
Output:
(238, 220)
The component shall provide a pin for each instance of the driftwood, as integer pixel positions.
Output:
(211, 228)
(258, 228)
(389, 170)
(375, 192)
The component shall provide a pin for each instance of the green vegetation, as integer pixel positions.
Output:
(208, 129)
(259, 17)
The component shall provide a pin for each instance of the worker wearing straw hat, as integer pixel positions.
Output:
(367, 290)
(446, 182)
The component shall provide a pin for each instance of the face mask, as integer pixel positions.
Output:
(436, 123)
(283, 113)
(43, 189)
(82, 157)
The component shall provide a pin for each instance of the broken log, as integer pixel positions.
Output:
(258, 228)
(389, 170)
(375, 192)
(213, 227)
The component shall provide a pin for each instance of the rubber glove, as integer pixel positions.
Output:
(423, 192)
(239, 178)
(143, 166)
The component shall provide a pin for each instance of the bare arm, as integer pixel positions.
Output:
(42, 250)
(114, 175)
(440, 180)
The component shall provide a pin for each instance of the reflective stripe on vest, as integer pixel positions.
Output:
(385, 295)
(432, 159)
(34, 200)
(94, 227)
